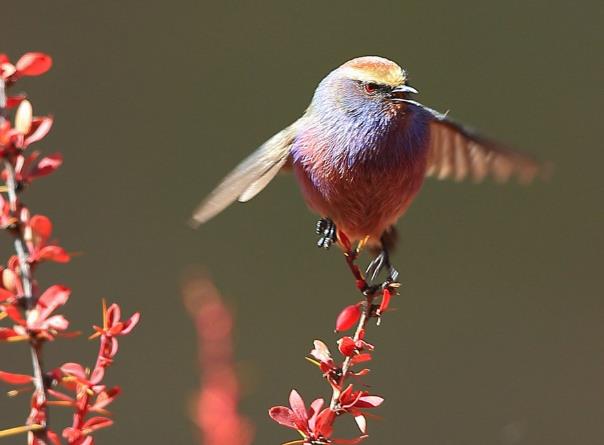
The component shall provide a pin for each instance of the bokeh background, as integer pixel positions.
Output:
(498, 336)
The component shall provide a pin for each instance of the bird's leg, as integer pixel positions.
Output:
(327, 231)
(382, 262)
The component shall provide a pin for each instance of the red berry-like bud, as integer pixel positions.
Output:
(385, 301)
(348, 317)
(344, 241)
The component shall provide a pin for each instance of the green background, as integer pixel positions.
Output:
(498, 334)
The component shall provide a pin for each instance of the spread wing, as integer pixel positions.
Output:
(249, 177)
(457, 152)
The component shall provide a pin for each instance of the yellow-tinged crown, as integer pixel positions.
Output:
(374, 69)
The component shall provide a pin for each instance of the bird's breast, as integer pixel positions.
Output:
(362, 174)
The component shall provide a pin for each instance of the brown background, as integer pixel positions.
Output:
(498, 334)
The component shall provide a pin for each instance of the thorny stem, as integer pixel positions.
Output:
(365, 315)
(369, 294)
(26, 279)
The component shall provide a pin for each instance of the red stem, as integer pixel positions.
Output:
(351, 255)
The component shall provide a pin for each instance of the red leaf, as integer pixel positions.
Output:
(15, 379)
(41, 226)
(131, 323)
(59, 395)
(360, 358)
(5, 294)
(106, 397)
(283, 416)
(47, 165)
(7, 333)
(40, 127)
(74, 369)
(96, 423)
(348, 317)
(321, 351)
(57, 322)
(72, 434)
(346, 346)
(113, 315)
(369, 401)
(52, 298)
(33, 64)
(52, 253)
(316, 406)
(324, 424)
(54, 438)
(297, 404)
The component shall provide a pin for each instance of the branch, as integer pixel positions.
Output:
(25, 274)
(316, 424)
(33, 314)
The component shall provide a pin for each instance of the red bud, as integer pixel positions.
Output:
(344, 241)
(385, 301)
(15, 379)
(348, 317)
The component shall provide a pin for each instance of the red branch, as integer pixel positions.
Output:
(32, 313)
(316, 423)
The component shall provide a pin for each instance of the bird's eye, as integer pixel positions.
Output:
(370, 87)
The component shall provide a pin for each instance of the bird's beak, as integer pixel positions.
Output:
(403, 89)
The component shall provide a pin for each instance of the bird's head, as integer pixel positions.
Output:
(365, 84)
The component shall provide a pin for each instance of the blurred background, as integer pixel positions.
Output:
(498, 334)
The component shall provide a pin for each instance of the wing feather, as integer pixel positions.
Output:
(457, 152)
(249, 177)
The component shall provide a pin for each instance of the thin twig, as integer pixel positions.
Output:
(369, 293)
(365, 315)
(26, 279)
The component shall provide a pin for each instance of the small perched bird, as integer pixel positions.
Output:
(361, 152)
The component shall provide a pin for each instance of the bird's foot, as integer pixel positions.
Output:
(327, 231)
(380, 263)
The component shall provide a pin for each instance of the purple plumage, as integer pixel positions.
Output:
(359, 159)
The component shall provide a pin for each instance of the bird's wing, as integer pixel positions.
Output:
(457, 152)
(249, 177)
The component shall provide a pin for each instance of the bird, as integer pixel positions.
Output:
(360, 154)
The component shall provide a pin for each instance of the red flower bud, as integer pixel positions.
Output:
(385, 301)
(348, 317)
(344, 241)
(15, 379)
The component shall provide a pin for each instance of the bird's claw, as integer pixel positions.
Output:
(327, 229)
(379, 263)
